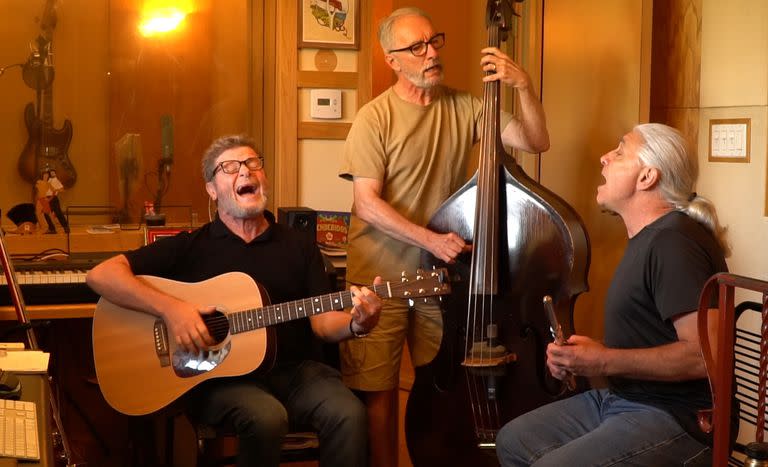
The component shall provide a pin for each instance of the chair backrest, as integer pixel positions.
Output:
(736, 358)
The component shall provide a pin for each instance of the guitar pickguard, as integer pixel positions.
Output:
(186, 364)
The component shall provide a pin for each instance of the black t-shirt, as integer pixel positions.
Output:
(661, 275)
(283, 261)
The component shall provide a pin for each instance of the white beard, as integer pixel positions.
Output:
(228, 204)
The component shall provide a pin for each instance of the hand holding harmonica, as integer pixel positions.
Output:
(557, 334)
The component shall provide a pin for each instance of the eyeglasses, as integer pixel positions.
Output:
(233, 167)
(420, 48)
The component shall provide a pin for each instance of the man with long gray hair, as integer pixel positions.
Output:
(651, 356)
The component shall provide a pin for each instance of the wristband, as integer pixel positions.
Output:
(356, 334)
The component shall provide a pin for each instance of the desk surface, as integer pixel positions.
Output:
(79, 241)
(34, 312)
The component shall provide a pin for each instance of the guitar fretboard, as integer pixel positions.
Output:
(254, 318)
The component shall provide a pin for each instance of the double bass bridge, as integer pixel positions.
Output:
(483, 355)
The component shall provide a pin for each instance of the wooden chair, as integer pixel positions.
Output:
(218, 446)
(736, 362)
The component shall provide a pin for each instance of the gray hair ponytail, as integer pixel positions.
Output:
(665, 149)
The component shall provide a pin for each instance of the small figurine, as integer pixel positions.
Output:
(56, 187)
(149, 208)
(47, 190)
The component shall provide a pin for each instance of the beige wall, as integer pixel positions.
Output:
(320, 187)
(734, 84)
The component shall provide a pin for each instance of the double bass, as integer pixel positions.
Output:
(527, 244)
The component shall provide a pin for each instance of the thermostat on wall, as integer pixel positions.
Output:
(325, 103)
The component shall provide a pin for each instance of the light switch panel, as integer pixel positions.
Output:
(729, 140)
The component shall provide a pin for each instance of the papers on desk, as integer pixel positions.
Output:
(103, 229)
(11, 346)
(24, 361)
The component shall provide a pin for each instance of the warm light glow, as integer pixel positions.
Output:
(162, 16)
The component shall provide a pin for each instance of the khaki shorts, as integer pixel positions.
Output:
(372, 363)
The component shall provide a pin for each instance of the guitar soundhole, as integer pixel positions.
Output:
(218, 325)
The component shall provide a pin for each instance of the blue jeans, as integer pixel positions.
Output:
(597, 428)
(262, 408)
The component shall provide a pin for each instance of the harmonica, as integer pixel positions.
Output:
(557, 335)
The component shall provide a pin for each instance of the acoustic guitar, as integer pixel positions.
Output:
(141, 370)
(46, 147)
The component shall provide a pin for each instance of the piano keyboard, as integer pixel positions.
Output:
(53, 282)
(59, 276)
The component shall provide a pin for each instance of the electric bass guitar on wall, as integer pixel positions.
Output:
(141, 370)
(47, 147)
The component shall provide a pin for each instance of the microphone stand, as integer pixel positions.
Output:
(21, 315)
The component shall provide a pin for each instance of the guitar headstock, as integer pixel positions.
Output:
(37, 72)
(423, 284)
(48, 19)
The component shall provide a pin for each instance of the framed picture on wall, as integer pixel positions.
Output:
(329, 24)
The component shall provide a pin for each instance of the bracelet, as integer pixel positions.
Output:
(356, 334)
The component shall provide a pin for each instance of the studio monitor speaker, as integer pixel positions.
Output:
(300, 218)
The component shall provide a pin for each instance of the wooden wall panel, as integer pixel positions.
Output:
(286, 105)
(676, 70)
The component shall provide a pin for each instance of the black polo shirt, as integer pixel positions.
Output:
(283, 261)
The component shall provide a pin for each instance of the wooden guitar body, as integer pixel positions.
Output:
(46, 147)
(141, 369)
(134, 379)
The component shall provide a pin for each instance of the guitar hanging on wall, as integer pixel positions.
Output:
(47, 147)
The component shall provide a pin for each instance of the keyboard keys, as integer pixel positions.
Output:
(18, 430)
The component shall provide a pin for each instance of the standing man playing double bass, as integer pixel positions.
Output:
(407, 151)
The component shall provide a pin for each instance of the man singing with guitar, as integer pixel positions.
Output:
(259, 405)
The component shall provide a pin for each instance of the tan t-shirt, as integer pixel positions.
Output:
(420, 154)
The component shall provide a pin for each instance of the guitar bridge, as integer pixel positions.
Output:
(162, 349)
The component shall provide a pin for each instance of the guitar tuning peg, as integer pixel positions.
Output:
(403, 277)
(410, 302)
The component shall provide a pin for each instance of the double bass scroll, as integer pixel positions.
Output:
(527, 243)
